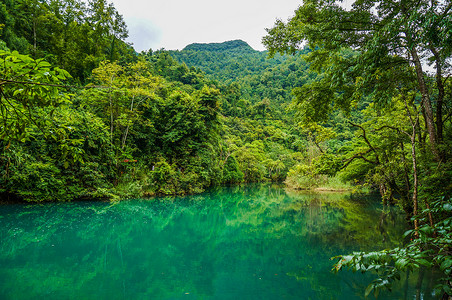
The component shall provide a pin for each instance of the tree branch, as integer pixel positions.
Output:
(393, 128)
(361, 156)
(6, 81)
(366, 140)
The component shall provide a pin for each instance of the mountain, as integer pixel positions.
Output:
(236, 45)
(257, 75)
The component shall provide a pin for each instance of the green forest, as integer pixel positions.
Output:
(355, 99)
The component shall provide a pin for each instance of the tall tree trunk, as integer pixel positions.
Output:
(414, 125)
(415, 182)
(128, 126)
(440, 100)
(111, 109)
(111, 118)
(426, 104)
(406, 173)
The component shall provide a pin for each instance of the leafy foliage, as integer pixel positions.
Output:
(431, 249)
(354, 103)
(368, 61)
(26, 86)
(72, 34)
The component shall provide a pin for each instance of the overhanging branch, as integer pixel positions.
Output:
(6, 81)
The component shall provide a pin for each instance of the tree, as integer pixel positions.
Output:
(391, 42)
(26, 87)
(49, 150)
(107, 26)
(120, 97)
(73, 34)
(379, 51)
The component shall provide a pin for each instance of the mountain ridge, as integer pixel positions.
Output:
(232, 45)
(255, 74)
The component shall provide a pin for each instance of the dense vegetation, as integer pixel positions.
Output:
(373, 58)
(82, 115)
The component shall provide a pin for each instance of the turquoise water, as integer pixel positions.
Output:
(249, 242)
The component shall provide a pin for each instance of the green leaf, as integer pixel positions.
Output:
(17, 92)
(446, 264)
(401, 263)
(447, 207)
(43, 63)
(369, 289)
(424, 262)
(408, 232)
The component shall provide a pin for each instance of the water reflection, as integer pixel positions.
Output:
(244, 242)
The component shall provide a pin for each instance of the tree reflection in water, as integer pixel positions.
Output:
(242, 242)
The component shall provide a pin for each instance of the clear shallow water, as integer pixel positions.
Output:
(249, 242)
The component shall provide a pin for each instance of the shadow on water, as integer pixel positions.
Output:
(241, 242)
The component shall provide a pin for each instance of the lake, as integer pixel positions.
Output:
(244, 242)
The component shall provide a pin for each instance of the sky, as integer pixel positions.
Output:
(174, 24)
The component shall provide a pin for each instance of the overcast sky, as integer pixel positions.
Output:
(173, 24)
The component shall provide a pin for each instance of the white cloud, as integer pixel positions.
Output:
(145, 34)
(173, 24)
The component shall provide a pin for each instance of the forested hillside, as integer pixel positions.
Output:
(257, 75)
(362, 116)
(342, 98)
(258, 125)
(71, 34)
(262, 88)
(257, 133)
(85, 116)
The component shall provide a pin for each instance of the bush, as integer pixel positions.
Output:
(39, 181)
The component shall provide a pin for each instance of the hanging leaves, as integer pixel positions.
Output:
(27, 87)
